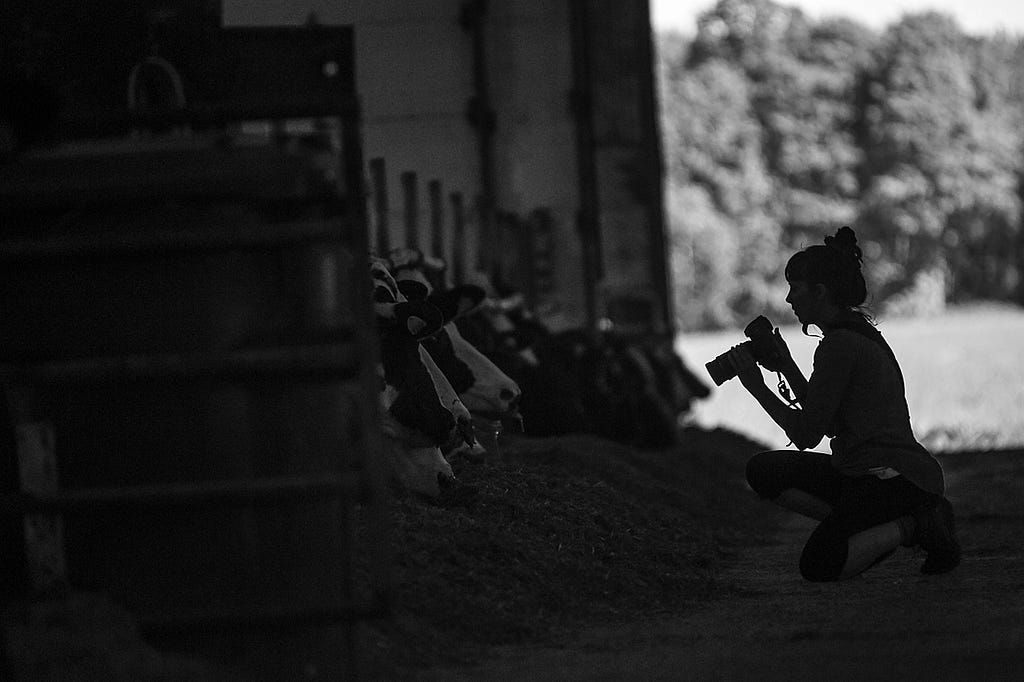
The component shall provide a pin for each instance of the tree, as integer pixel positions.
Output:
(778, 130)
(717, 180)
(806, 103)
(939, 171)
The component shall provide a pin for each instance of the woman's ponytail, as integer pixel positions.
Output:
(845, 241)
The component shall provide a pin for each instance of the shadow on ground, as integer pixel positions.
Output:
(768, 624)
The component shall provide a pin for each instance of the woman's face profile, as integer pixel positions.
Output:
(803, 301)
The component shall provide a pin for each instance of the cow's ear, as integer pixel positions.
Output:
(416, 325)
(385, 311)
(381, 294)
(458, 301)
(413, 290)
(419, 318)
(470, 298)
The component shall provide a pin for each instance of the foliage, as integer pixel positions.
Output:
(720, 182)
(777, 130)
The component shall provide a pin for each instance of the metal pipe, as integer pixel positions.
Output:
(588, 214)
(481, 116)
(380, 205)
(655, 208)
(437, 240)
(412, 210)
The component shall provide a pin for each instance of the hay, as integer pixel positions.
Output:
(562, 532)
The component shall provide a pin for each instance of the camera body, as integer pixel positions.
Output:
(760, 333)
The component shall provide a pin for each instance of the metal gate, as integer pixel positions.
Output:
(188, 353)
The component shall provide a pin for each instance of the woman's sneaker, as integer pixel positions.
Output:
(936, 534)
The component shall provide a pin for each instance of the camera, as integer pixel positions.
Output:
(762, 346)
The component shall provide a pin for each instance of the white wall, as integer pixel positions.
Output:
(414, 70)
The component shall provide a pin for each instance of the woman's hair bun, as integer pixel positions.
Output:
(846, 241)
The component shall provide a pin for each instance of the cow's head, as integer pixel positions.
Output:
(484, 388)
(421, 412)
(413, 411)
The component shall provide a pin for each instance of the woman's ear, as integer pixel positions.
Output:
(820, 291)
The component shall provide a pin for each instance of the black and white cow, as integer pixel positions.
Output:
(636, 391)
(485, 389)
(421, 412)
(546, 368)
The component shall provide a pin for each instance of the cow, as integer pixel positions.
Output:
(636, 391)
(676, 380)
(485, 389)
(421, 413)
(546, 368)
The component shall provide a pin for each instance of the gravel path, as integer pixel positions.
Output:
(890, 623)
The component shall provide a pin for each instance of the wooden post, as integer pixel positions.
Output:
(44, 532)
(458, 268)
(437, 240)
(412, 210)
(380, 205)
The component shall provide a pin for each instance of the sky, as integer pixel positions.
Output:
(978, 17)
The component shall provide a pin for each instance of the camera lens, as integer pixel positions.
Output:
(720, 369)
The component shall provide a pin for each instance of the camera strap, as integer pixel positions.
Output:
(784, 391)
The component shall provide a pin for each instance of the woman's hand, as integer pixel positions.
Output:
(782, 359)
(746, 368)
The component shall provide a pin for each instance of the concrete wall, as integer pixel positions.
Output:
(633, 292)
(415, 78)
(414, 75)
(530, 59)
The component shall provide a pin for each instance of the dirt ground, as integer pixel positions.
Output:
(581, 559)
(890, 623)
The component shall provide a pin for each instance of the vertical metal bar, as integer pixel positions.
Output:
(437, 240)
(482, 117)
(412, 210)
(588, 216)
(354, 281)
(653, 156)
(378, 175)
(458, 268)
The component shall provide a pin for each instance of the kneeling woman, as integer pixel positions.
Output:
(880, 488)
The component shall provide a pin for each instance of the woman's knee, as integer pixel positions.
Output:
(764, 474)
(824, 556)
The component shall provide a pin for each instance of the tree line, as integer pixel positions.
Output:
(777, 130)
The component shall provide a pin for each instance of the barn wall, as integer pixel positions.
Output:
(530, 59)
(633, 293)
(415, 77)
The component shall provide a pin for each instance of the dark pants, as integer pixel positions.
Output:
(858, 503)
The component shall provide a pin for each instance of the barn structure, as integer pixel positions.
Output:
(185, 341)
(535, 120)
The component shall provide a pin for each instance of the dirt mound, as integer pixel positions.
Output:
(560, 532)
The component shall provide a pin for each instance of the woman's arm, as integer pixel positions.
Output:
(795, 377)
(784, 363)
(789, 419)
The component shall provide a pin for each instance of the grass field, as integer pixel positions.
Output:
(964, 372)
